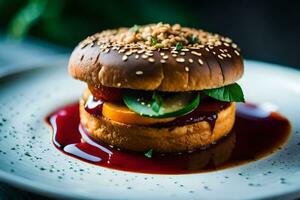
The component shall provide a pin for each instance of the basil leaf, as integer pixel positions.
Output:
(149, 153)
(229, 93)
(153, 41)
(157, 101)
(193, 39)
(179, 46)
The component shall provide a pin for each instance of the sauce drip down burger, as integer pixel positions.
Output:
(158, 87)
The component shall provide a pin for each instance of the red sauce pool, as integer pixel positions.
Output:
(256, 133)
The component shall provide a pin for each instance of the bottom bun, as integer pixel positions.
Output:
(143, 138)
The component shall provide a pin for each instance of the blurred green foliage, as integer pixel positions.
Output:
(26, 17)
(257, 26)
(68, 21)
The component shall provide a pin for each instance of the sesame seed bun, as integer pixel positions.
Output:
(143, 138)
(104, 59)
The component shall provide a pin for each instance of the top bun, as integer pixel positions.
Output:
(157, 57)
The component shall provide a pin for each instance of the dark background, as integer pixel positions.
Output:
(265, 30)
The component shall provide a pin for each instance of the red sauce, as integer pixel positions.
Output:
(256, 133)
(93, 106)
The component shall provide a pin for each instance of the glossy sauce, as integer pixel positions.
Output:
(256, 133)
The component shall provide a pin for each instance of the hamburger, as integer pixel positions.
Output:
(158, 87)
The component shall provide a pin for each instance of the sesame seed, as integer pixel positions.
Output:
(83, 45)
(196, 53)
(227, 40)
(128, 53)
(186, 69)
(118, 84)
(149, 54)
(151, 60)
(236, 52)
(167, 36)
(124, 58)
(143, 103)
(185, 49)
(144, 56)
(200, 61)
(139, 72)
(180, 60)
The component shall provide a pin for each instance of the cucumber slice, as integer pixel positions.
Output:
(161, 105)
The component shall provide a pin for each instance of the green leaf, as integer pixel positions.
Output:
(149, 153)
(159, 46)
(27, 17)
(166, 104)
(193, 39)
(179, 46)
(153, 41)
(229, 93)
(157, 101)
(135, 29)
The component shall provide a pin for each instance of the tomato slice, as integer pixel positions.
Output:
(106, 93)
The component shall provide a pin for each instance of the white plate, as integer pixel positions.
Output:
(29, 160)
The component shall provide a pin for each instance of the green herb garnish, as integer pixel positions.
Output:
(135, 29)
(159, 46)
(179, 46)
(228, 93)
(149, 153)
(193, 39)
(156, 104)
(153, 41)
